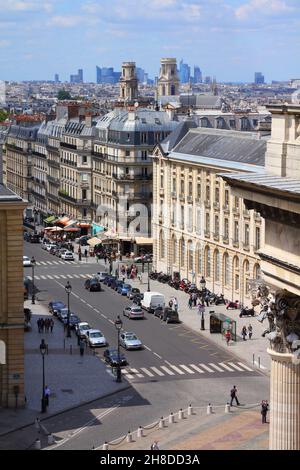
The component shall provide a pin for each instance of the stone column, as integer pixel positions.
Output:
(285, 403)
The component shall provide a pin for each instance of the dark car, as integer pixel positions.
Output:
(113, 283)
(133, 292)
(34, 238)
(106, 279)
(111, 356)
(117, 284)
(111, 280)
(93, 285)
(74, 320)
(167, 314)
(137, 298)
(55, 305)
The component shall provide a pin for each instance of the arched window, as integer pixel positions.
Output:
(217, 265)
(182, 252)
(257, 272)
(174, 249)
(207, 261)
(236, 274)
(190, 256)
(226, 269)
(162, 244)
(246, 268)
(198, 260)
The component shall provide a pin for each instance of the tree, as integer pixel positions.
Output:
(64, 95)
(3, 115)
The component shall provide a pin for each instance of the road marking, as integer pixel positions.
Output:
(110, 321)
(49, 262)
(76, 276)
(63, 276)
(96, 310)
(43, 262)
(55, 262)
(104, 316)
(206, 368)
(146, 371)
(157, 355)
(196, 368)
(69, 276)
(177, 369)
(49, 277)
(77, 296)
(157, 371)
(215, 367)
(146, 347)
(245, 367)
(196, 341)
(82, 275)
(168, 371)
(61, 262)
(222, 364)
(56, 276)
(204, 346)
(235, 366)
(190, 371)
(43, 277)
(128, 376)
(89, 305)
(136, 373)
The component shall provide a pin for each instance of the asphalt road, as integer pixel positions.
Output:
(173, 355)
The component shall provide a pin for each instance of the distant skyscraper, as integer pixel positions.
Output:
(56, 78)
(80, 75)
(77, 78)
(107, 75)
(197, 74)
(259, 78)
(207, 80)
(184, 72)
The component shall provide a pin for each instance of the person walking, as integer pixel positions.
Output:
(51, 325)
(190, 302)
(39, 325)
(244, 333)
(228, 337)
(264, 411)
(81, 347)
(154, 446)
(233, 395)
(175, 304)
(47, 395)
(250, 330)
(194, 297)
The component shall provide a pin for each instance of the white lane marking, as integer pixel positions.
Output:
(63, 276)
(37, 277)
(206, 368)
(104, 316)
(49, 262)
(77, 296)
(168, 371)
(215, 367)
(43, 277)
(190, 371)
(55, 262)
(196, 368)
(82, 275)
(96, 310)
(89, 305)
(43, 262)
(49, 277)
(56, 276)
(89, 275)
(110, 321)
(136, 373)
(222, 364)
(157, 371)
(157, 355)
(96, 418)
(146, 347)
(235, 366)
(179, 371)
(70, 276)
(76, 276)
(61, 262)
(128, 375)
(245, 367)
(146, 371)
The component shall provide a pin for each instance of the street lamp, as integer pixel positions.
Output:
(203, 284)
(148, 277)
(68, 290)
(118, 325)
(43, 349)
(33, 286)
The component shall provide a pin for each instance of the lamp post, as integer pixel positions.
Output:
(203, 284)
(43, 349)
(33, 286)
(148, 277)
(68, 290)
(118, 325)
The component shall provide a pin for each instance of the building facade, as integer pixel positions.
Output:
(199, 227)
(168, 82)
(128, 83)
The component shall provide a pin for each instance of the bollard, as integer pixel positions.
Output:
(37, 444)
(51, 439)
(253, 360)
(180, 414)
(259, 362)
(190, 410)
(171, 418)
(105, 446)
(227, 408)
(64, 344)
(129, 437)
(71, 349)
(161, 423)
(209, 409)
(140, 432)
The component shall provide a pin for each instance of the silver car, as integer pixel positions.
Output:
(95, 338)
(130, 341)
(134, 311)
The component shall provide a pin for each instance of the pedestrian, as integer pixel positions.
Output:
(51, 325)
(85, 253)
(39, 325)
(81, 347)
(190, 302)
(42, 325)
(154, 446)
(175, 304)
(250, 331)
(233, 394)
(194, 297)
(264, 411)
(207, 300)
(244, 333)
(228, 337)
(105, 259)
(47, 395)
(128, 271)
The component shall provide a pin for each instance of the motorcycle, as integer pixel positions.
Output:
(232, 304)
(245, 312)
(219, 300)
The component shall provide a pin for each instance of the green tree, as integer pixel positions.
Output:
(64, 95)
(3, 115)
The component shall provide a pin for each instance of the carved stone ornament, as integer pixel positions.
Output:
(281, 309)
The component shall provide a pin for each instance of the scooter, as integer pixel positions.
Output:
(220, 300)
(245, 312)
(232, 304)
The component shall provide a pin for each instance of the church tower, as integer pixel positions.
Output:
(168, 82)
(128, 83)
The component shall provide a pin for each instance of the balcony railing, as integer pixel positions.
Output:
(236, 243)
(174, 194)
(207, 233)
(246, 246)
(207, 204)
(131, 177)
(217, 206)
(190, 199)
(39, 154)
(53, 180)
(226, 239)
(53, 163)
(226, 207)
(68, 146)
(216, 236)
(246, 214)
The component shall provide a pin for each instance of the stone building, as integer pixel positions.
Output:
(276, 195)
(122, 170)
(168, 82)
(199, 227)
(128, 83)
(12, 299)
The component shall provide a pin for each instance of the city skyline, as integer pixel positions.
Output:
(31, 45)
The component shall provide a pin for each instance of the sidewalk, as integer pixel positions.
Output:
(246, 350)
(73, 380)
(237, 430)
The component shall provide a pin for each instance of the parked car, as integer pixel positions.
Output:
(74, 320)
(62, 314)
(60, 251)
(95, 338)
(51, 245)
(53, 250)
(124, 289)
(117, 284)
(130, 341)
(112, 357)
(146, 258)
(81, 328)
(107, 279)
(137, 299)
(34, 238)
(152, 300)
(101, 276)
(167, 314)
(26, 262)
(134, 291)
(111, 281)
(93, 285)
(55, 305)
(133, 311)
(67, 256)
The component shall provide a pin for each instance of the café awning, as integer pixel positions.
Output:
(49, 219)
(63, 221)
(94, 241)
(143, 241)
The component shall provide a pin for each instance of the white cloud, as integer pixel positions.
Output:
(4, 43)
(264, 7)
(24, 5)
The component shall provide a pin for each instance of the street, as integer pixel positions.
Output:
(199, 371)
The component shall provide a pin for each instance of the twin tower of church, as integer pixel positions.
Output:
(168, 82)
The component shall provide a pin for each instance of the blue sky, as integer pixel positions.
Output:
(230, 39)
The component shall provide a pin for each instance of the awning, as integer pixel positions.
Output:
(56, 229)
(71, 229)
(94, 241)
(71, 223)
(143, 241)
(83, 225)
(63, 220)
(49, 219)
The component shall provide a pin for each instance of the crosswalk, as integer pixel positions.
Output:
(54, 263)
(53, 277)
(188, 370)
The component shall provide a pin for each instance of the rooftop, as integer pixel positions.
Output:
(268, 182)
(7, 195)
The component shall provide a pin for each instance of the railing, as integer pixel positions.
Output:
(235, 243)
(53, 180)
(207, 204)
(190, 199)
(53, 163)
(174, 194)
(226, 207)
(39, 154)
(217, 206)
(216, 236)
(68, 146)
(131, 177)
(246, 214)
(207, 233)
(226, 240)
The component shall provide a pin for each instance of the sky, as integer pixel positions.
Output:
(229, 39)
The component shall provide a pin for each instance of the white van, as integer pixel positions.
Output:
(152, 300)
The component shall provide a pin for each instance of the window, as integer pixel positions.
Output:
(162, 245)
(207, 193)
(190, 256)
(190, 219)
(236, 203)
(127, 153)
(237, 282)
(217, 195)
(84, 159)
(207, 262)
(257, 272)
(174, 185)
(143, 137)
(182, 187)
(182, 252)
(226, 268)
(236, 232)
(182, 216)
(217, 266)
(161, 181)
(247, 231)
(199, 190)
(217, 225)
(257, 238)
(198, 260)
(190, 188)
(198, 220)
(226, 198)
(174, 250)
(226, 228)
(207, 223)
(144, 154)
